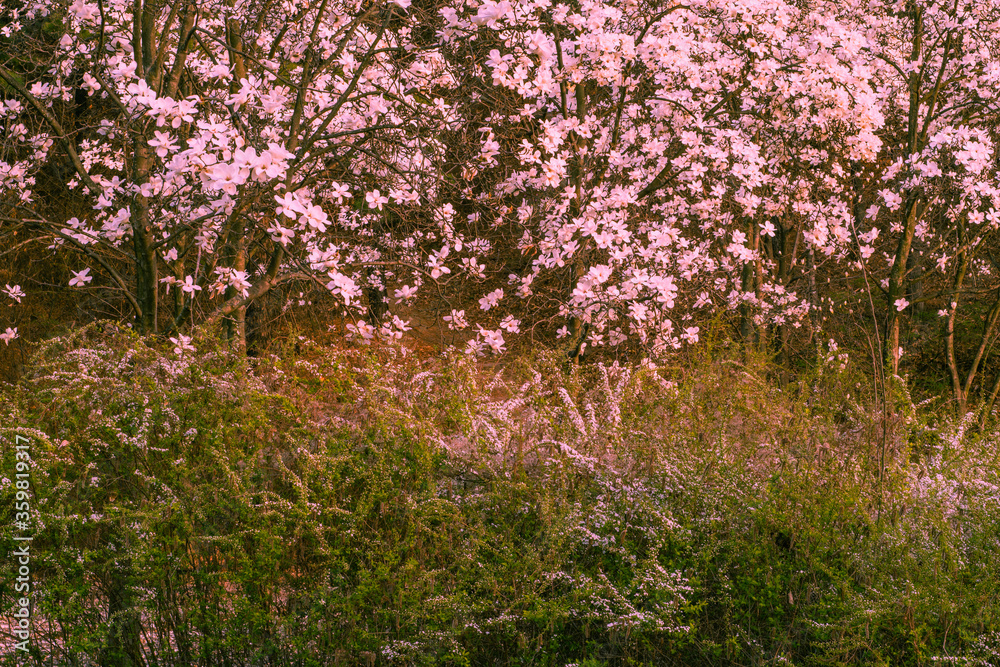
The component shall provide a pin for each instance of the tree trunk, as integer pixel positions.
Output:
(915, 281)
(142, 242)
(897, 280)
(378, 305)
(236, 327)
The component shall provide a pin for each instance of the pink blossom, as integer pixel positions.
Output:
(182, 344)
(188, 286)
(405, 292)
(14, 292)
(375, 199)
(80, 278)
(456, 320)
(491, 299)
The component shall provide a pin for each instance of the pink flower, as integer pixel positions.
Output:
(892, 200)
(456, 320)
(510, 325)
(600, 273)
(315, 217)
(182, 344)
(405, 292)
(9, 335)
(343, 286)
(84, 11)
(80, 278)
(288, 205)
(14, 292)
(493, 339)
(375, 199)
(227, 177)
(189, 286)
(491, 299)
(362, 329)
(339, 191)
(163, 143)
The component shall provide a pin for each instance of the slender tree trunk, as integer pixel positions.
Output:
(813, 292)
(915, 138)
(142, 242)
(378, 305)
(578, 328)
(236, 328)
(378, 302)
(956, 381)
(897, 280)
(752, 278)
(915, 281)
(962, 390)
(746, 324)
(236, 323)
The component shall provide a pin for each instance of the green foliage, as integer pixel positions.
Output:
(363, 507)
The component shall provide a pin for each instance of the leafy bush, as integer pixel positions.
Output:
(330, 506)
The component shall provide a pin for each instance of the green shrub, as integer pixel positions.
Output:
(331, 506)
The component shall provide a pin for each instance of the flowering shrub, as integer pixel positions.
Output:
(345, 506)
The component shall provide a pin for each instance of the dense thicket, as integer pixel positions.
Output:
(342, 507)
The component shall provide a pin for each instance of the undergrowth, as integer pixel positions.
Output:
(364, 507)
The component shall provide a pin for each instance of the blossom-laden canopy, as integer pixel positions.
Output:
(625, 168)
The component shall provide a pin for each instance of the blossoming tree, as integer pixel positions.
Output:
(234, 146)
(668, 165)
(619, 170)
